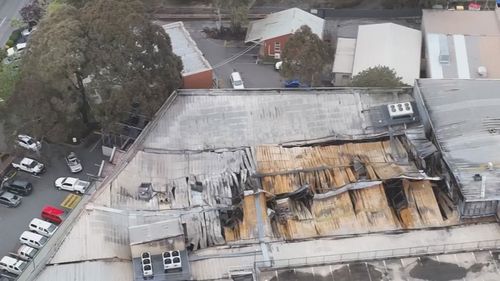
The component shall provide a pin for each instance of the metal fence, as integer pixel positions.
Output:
(379, 254)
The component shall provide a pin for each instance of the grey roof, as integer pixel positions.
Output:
(465, 118)
(185, 47)
(283, 23)
(154, 231)
(213, 119)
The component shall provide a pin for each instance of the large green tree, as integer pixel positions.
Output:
(379, 76)
(238, 12)
(95, 61)
(305, 56)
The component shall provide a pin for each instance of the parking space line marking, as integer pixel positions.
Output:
(71, 201)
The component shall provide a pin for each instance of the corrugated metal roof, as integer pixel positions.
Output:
(216, 119)
(344, 55)
(144, 233)
(89, 271)
(185, 47)
(392, 45)
(283, 23)
(465, 118)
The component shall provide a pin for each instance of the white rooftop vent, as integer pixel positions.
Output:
(399, 110)
(482, 71)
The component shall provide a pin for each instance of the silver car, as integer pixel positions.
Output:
(9, 199)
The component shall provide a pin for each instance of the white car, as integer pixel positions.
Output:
(30, 166)
(72, 184)
(28, 142)
(277, 65)
(73, 163)
(236, 81)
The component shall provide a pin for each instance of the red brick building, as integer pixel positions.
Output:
(197, 72)
(273, 31)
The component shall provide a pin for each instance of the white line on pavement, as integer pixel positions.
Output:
(3, 20)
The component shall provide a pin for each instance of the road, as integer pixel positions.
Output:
(13, 221)
(9, 9)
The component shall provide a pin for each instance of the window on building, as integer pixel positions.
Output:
(277, 47)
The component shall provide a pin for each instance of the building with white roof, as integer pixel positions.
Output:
(273, 31)
(344, 58)
(461, 44)
(388, 44)
(197, 72)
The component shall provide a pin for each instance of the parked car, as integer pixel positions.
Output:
(292, 83)
(30, 166)
(72, 184)
(42, 227)
(236, 81)
(26, 252)
(20, 187)
(73, 163)
(28, 142)
(10, 200)
(13, 265)
(52, 214)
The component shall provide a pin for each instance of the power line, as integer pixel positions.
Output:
(234, 57)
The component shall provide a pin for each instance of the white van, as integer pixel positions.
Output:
(26, 253)
(236, 81)
(12, 265)
(33, 240)
(42, 227)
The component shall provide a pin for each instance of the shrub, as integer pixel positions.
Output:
(10, 43)
(16, 34)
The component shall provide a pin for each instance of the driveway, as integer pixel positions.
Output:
(217, 52)
(13, 221)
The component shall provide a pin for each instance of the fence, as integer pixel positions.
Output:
(379, 254)
(48, 251)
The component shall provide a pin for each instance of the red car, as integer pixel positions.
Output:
(52, 214)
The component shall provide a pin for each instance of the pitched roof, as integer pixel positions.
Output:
(185, 47)
(464, 116)
(392, 45)
(344, 55)
(283, 23)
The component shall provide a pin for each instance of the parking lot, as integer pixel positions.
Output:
(13, 221)
(218, 51)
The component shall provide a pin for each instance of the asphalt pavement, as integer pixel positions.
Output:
(219, 51)
(13, 221)
(9, 9)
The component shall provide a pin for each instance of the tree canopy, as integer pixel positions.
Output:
(238, 11)
(32, 12)
(305, 56)
(379, 76)
(88, 64)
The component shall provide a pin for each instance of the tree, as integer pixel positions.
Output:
(238, 13)
(305, 56)
(32, 12)
(90, 64)
(379, 76)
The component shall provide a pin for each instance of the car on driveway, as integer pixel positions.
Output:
(73, 163)
(30, 166)
(72, 184)
(28, 142)
(10, 200)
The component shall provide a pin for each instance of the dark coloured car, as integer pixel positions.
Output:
(19, 187)
(10, 200)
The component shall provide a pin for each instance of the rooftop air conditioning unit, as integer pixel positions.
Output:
(147, 270)
(171, 260)
(400, 110)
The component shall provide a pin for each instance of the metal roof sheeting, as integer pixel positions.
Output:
(145, 233)
(344, 55)
(218, 119)
(185, 47)
(283, 23)
(465, 119)
(89, 271)
(392, 45)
